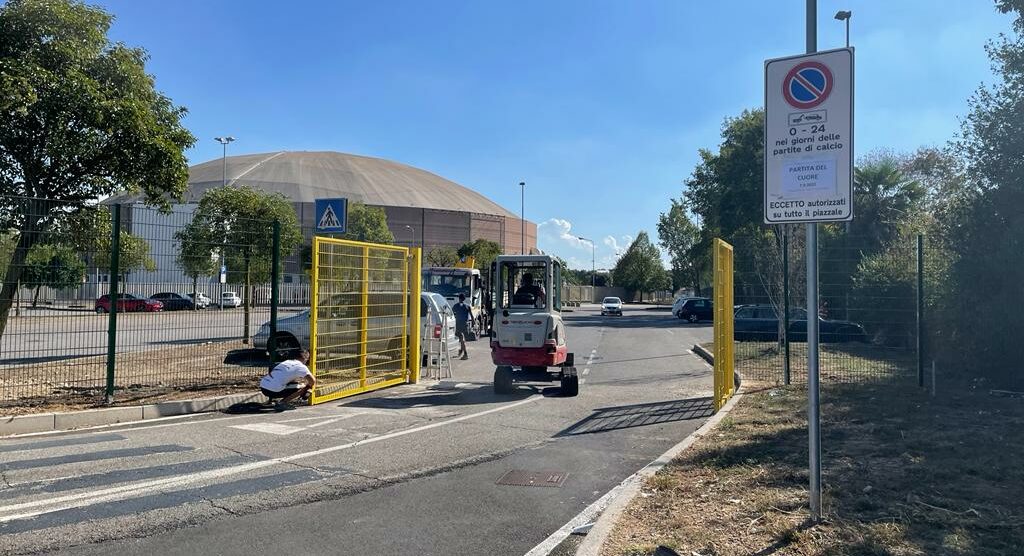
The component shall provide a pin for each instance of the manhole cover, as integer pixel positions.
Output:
(521, 477)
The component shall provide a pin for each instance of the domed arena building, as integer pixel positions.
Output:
(423, 209)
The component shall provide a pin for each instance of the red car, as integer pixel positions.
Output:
(127, 302)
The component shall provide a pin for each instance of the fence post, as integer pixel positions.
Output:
(115, 263)
(275, 277)
(920, 310)
(785, 303)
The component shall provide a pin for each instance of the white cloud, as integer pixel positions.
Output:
(559, 232)
(615, 245)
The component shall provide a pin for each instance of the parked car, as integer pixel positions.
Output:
(760, 323)
(693, 309)
(611, 306)
(128, 303)
(230, 299)
(436, 321)
(174, 301)
(201, 300)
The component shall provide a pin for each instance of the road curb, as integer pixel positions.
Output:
(630, 488)
(50, 422)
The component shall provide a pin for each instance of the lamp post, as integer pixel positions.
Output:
(845, 15)
(593, 265)
(412, 235)
(522, 216)
(224, 159)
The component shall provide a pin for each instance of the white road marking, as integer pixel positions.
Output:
(89, 498)
(669, 330)
(270, 428)
(583, 381)
(329, 421)
(586, 371)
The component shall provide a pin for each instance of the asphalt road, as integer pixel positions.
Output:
(66, 335)
(408, 470)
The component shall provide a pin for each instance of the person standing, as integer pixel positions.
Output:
(288, 381)
(463, 313)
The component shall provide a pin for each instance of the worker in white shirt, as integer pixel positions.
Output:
(288, 381)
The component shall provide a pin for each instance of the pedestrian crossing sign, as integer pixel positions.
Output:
(331, 215)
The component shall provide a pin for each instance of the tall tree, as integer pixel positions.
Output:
(80, 119)
(196, 258)
(442, 257)
(680, 237)
(54, 266)
(640, 269)
(239, 221)
(368, 224)
(988, 267)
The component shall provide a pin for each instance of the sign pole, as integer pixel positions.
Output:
(813, 413)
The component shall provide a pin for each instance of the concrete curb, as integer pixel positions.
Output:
(49, 422)
(596, 537)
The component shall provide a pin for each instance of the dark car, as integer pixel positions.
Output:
(760, 323)
(128, 303)
(174, 301)
(693, 309)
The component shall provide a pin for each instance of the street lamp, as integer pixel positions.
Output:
(522, 216)
(845, 15)
(224, 160)
(593, 265)
(412, 233)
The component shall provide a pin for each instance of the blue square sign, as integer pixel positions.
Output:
(332, 215)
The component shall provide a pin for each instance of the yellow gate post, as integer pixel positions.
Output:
(724, 321)
(415, 277)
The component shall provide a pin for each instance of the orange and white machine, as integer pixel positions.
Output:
(528, 341)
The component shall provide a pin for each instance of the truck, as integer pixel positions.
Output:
(462, 278)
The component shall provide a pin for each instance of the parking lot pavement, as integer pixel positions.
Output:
(65, 335)
(412, 469)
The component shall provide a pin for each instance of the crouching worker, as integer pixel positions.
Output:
(289, 380)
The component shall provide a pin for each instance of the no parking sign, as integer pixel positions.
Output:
(808, 138)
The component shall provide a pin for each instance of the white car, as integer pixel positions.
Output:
(200, 299)
(436, 321)
(611, 306)
(230, 299)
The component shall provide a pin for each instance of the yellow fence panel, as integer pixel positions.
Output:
(364, 317)
(725, 355)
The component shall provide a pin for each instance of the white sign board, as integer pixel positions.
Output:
(808, 138)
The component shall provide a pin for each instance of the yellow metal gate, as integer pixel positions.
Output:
(724, 320)
(364, 317)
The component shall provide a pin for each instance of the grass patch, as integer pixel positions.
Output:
(904, 474)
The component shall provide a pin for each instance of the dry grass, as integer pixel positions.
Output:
(180, 372)
(904, 474)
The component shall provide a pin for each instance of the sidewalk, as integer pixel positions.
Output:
(904, 473)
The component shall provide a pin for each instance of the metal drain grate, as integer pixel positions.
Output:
(521, 477)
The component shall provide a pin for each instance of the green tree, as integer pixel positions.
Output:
(483, 250)
(55, 266)
(196, 258)
(640, 269)
(680, 237)
(239, 222)
(442, 257)
(96, 228)
(988, 227)
(80, 119)
(368, 224)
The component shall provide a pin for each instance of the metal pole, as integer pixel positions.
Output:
(522, 216)
(224, 165)
(847, 32)
(275, 278)
(115, 263)
(813, 402)
(920, 310)
(785, 303)
(593, 271)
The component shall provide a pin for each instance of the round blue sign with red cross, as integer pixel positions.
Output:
(807, 85)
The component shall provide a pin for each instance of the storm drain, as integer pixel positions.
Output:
(522, 477)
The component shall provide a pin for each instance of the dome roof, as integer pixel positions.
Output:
(304, 176)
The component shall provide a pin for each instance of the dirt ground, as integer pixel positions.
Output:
(194, 371)
(904, 473)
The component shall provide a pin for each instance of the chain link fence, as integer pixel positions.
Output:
(191, 313)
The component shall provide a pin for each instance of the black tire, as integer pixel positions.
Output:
(100, 310)
(284, 345)
(570, 385)
(503, 380)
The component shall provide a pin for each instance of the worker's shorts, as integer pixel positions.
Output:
(288, 391)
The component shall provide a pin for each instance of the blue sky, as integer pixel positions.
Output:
(599, 106)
